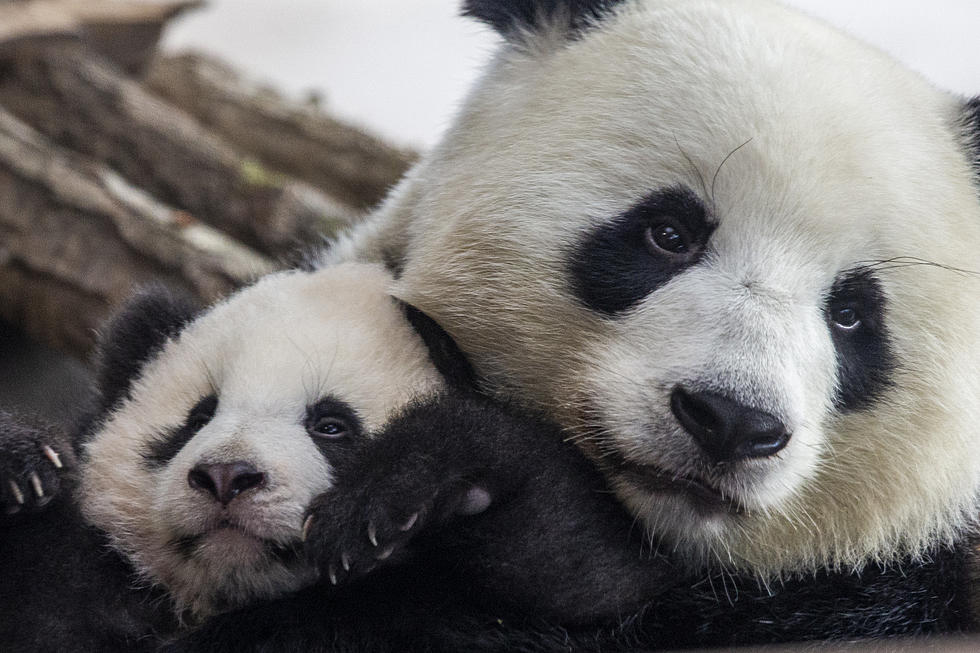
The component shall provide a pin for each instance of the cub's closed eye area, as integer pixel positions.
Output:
(162, 450)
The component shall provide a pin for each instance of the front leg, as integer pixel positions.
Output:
(33, 459)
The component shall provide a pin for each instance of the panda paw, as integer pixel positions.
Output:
(373, 515)
(32, 462)
(349, 536)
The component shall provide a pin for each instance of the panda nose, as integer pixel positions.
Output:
(225, 481)
(726, 430)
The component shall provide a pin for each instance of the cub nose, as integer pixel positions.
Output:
(726, 430)
(225, 481)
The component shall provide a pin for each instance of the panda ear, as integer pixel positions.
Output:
(134, 334)
(444, 353)
(971, 123)
(511, 17)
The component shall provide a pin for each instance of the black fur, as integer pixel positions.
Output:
(443, 350)
(613, 268)
(134, 335)
(865, 361)
(509, 16)
(168, 444)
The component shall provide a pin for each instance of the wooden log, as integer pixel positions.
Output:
(75, 238)
(79, 100)
(296, 139)
(127, 32)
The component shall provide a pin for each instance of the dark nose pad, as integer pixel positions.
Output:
(225, 481)
(726, 430)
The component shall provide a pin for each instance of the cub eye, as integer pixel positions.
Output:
(329, 426)
(846, 318)
(201, 414)
(667, 238)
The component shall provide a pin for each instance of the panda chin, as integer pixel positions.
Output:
(655, 482)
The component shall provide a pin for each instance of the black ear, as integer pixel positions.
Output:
(971, 122)
(134, 334)
(443, 350)
(511, 16)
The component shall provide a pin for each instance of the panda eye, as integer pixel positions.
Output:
(331, 419)
(846, 318)
(201, 414)
(329, 426)
(667, 238)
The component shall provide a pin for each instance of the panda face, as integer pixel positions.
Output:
(202, 475)
(734, 252)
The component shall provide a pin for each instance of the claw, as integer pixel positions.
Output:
(332, 574)
(36, 484)
(53, 456)
(18, 495)
(411, 522)
(345, 561)
(372, 534)
(306, 527)
(386, 553)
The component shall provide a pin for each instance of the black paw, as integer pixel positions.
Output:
(372, 520)
(32, 461)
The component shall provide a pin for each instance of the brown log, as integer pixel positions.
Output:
(75, 238)
(127, 32)
(296, 139)
(79, 100)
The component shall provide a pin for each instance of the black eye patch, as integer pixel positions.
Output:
(163, 449)
(333, 425)
(625, 259)
(855, 313)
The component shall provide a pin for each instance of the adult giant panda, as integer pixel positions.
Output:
(734, 252)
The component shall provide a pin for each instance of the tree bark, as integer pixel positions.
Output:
(76, 238)
(80, 101)
(295, 139)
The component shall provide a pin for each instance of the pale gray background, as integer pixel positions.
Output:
(401, 66)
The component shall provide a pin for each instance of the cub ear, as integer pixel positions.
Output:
(136, 332)
(444, 353)
(512, 17)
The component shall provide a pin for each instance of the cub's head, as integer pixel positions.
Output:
(219, 429)
(735, 252)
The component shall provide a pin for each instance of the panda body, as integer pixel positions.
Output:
(653, 218)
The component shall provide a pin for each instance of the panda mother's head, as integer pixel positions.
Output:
(732, 249)
(218, 431)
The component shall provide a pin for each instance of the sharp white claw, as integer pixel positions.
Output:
(332, 574)
(36, 484)
(386, 553)
(345, 561)
(411, 522)
(18, 495)
(372, 534)
(306, 527)
(53, 456)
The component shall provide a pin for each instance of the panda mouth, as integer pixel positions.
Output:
(706, 498)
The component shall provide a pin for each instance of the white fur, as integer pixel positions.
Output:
(268, 352)
(843, 157)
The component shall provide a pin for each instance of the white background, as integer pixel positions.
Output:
(400, 67)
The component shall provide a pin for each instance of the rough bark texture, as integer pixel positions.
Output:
(76, 238)
(298, 140)
(82, 102)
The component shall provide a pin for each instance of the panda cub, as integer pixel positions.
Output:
(212, 435)
(734, 252)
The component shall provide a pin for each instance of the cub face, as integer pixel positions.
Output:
(202, 470)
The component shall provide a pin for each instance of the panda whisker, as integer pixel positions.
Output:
(902, 262)
(721, 165)
(694, 168)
